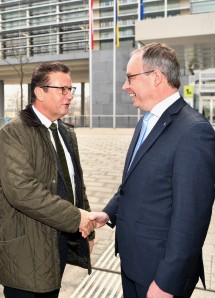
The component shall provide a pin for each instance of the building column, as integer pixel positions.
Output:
(29, 93)
(1, 102)
(82, 104)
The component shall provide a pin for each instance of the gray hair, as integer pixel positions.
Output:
(160, 56)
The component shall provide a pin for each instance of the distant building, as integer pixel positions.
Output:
(36, 31)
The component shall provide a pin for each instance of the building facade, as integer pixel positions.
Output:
(36, 31)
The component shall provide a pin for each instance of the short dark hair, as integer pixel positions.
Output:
(160, 56)
(40, 76)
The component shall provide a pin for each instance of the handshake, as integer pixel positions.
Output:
(91, 221)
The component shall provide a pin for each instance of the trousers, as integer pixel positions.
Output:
(134, 290)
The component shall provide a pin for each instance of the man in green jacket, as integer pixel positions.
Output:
(42, 219)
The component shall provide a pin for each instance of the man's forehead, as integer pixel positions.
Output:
(59, 75)
(135, 63)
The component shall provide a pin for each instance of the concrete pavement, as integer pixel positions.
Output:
(102, 153)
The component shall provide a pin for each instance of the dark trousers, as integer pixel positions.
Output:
(16, 293)
(134, 290)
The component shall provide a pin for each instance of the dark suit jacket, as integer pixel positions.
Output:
(163, 207)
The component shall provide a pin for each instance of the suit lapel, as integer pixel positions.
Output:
(165, 120)
(132, 145)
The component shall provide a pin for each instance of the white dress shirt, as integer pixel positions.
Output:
(45, 121)
(159, 109)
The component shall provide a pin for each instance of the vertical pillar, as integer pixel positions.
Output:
(1, 102)
(82, 103)
(29, 93)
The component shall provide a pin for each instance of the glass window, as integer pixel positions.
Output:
(198, 6)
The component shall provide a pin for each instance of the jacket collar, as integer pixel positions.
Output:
(28, 116)
(166, 118)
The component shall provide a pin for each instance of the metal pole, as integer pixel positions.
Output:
(90, 61)
(114, 63)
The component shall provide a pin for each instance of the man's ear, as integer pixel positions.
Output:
(39, 92)
(158, 77)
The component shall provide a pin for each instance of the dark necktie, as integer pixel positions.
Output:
(63, 162)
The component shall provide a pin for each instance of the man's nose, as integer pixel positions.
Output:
(69, 95)
(126, 85)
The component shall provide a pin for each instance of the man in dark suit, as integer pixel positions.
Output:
(163, 206)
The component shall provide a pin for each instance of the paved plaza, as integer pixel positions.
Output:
(102, 153)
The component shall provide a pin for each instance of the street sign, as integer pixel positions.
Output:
(188, 91)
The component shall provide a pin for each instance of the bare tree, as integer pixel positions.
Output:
(19, 69)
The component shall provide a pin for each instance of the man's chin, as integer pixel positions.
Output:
(64, 111)
(135, 104)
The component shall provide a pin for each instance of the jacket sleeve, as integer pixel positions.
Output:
(193, 196)
(23, 189)
(111, 209)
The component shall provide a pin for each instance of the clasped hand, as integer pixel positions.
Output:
(91, 220)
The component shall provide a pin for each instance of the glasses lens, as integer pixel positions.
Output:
(64, 90)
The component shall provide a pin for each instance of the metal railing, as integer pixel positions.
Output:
(105, 279)
(103, 121)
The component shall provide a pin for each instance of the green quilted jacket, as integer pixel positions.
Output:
(31, 213)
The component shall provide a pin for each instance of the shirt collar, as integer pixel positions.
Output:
(159, 108)
(45, 121)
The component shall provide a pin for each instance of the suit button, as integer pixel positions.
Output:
(121, 192)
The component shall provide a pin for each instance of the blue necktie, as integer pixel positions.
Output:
(146, 118)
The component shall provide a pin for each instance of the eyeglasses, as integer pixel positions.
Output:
(128, 77)
(64, 89)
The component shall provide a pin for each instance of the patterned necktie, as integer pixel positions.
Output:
(146, 118)
(63, 162)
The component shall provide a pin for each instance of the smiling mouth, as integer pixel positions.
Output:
(132, 94)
